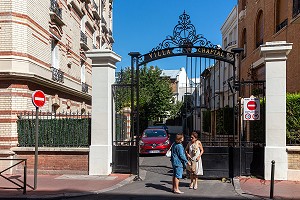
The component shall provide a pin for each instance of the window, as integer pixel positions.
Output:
(95, 40)
(243, 4)
(244, 43)
(281, 14)
(296, 7)
(259, 36)
(54, 54)
(225, 42)
(82, 24)
(82, 72)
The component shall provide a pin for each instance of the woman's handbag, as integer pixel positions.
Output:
(192, 168)
(168, 154)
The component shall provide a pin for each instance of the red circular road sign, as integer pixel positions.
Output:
(38, 98)
(251, 105)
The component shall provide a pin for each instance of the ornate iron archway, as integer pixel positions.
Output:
(186, 42)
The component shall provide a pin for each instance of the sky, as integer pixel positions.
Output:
(140, 25)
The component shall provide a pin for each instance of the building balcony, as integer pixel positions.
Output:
(76, 5)
(56, 13)
(104, 25)
(57, 75)
(95, 11)
(230, 44)
(85, 87)
(83, 41)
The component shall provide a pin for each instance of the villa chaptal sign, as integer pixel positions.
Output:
(195, 51)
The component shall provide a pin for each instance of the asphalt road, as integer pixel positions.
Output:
(156, 183)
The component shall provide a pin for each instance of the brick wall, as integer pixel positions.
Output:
(289, 33)
(55, 160)
(294, 157)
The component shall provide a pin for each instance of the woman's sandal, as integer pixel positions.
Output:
(195, 187)
(178, 192)
(191, 186)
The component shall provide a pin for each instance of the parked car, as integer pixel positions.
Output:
(159, 125)
(154, 141)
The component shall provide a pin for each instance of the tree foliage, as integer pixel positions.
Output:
(156, 97)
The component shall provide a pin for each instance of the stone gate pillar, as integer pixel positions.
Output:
(275, 56)
(103, 76)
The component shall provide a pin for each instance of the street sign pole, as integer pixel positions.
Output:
(38, 100)
(36, 146)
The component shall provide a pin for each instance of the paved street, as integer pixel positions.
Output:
(156, 173)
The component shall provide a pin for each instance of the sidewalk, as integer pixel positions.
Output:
(61, 185)
(261, 188)
(77, 185)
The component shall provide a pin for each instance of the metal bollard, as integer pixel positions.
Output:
(272, 179)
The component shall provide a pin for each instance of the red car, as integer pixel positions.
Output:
(154, 141)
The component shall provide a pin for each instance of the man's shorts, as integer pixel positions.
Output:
(177, 172)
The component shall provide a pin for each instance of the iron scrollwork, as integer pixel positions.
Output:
(184, 35)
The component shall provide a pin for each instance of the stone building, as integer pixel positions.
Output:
(43, 47)
(262, 21)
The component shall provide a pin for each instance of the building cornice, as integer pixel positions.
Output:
(44, 82)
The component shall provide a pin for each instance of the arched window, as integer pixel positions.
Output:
(243, 3)
(259, 36)
(244, 42)
(296, 7)
(281, 14)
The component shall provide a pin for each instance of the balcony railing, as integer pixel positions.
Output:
(230, 44)
(57, 75)
(55, 8)
(95, 5)
(281, 25)
(56, 13)
(85, 87)
(83, 37)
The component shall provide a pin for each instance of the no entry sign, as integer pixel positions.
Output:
(251, 109)
(38, 98)
(251, 105)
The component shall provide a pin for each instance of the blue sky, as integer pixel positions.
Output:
(140, 25)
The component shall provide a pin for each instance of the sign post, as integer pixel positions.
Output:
(38, 100)
(251, 109)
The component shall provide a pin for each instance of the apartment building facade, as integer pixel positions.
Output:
(43, 47)
(262, 21)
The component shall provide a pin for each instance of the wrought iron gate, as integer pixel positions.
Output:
(124, 145)
(242, 153)
(213, 108)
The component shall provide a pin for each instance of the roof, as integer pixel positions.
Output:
(170, 73)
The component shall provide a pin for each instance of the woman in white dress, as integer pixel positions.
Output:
(194, 151)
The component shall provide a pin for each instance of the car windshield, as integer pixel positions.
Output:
(154, 133)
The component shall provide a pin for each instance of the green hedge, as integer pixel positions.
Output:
(293, 118)
(64, 132)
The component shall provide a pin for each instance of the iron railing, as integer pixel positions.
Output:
(24, 171)
(65, 129)
(230, 44)
(281, 25)
(95, 5)
(55, 8)
(83, 37)
(85, 87)
(57, 75)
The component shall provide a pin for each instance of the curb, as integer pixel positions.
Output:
(238, 189)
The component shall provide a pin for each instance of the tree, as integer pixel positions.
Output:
(156, 97)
